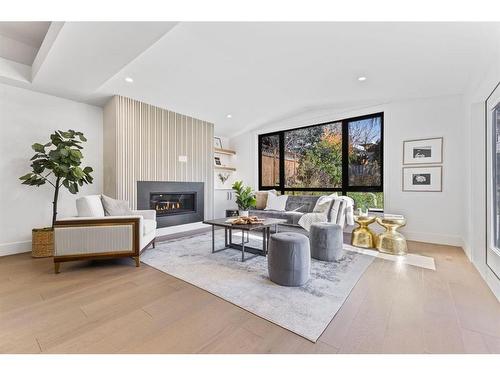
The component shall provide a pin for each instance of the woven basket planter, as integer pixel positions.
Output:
(42, 243)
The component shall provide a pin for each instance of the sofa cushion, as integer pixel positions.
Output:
(148, 226)
(276, 202)
(301, 203)
(89, 206)
(114, 207)
(291, 217)
(261, 197)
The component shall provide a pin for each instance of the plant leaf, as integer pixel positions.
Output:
(38, 147)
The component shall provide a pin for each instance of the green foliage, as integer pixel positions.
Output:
(322, 164)
(58, 164)
(245, 197)
(367, 200)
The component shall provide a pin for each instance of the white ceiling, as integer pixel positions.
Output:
(31, 33)
(20, 41)
(258, 72)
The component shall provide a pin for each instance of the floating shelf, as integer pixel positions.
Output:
(224, 151)
(225, 168)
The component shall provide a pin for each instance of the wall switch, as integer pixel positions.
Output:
(183, 158)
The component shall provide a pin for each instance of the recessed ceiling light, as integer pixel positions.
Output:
(129, 80)
(229, 116)
(361, 78)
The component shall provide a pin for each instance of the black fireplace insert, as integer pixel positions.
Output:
(175, 202)
(172, 203)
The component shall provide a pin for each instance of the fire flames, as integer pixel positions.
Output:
(167, 206)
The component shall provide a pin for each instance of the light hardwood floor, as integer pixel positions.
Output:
(114, 307)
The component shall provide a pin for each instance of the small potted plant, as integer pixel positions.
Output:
(58, 164)
(245, 198)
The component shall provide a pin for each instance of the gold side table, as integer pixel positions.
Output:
(362, 236)
(391, 241)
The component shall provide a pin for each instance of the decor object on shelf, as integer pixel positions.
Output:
(289, 259)
(391, 241)
(423, 151)
(94, 235)
(58, 164)
(217, 142)
(245, 197)
(422, 179)
(326, 242)
(362, 236)
(223, 177)
(217, 160)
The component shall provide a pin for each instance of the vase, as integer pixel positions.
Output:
(243, 213)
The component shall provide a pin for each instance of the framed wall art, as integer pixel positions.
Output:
(423, 178)
(423, 151)
(217, 142)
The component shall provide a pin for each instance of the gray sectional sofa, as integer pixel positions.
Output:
(296, 206)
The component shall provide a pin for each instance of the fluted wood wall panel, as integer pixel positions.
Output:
(143, 143)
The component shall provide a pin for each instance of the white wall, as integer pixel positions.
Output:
(432, 217)
(475, 187)
(27, 117)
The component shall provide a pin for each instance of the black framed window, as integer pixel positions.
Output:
(345, 156)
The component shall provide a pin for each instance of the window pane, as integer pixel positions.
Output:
(270, 160)
(367, 200)
(313, 157)
(364, 152)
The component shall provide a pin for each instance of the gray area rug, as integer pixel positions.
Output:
(305, 310)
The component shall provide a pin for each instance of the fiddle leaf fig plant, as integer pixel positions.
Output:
(58, 163)
(245, 197)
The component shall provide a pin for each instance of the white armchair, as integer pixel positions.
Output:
(92, 235)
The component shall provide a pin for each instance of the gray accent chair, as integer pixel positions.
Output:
(326, 241)
(289, 259)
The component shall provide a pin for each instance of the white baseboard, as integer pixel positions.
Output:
(180, 228)
(15, 248)
(436, 238)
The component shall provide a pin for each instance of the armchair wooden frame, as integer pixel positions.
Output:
(134, 252)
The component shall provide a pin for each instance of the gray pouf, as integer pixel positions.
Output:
(326, 240)
(289, 259)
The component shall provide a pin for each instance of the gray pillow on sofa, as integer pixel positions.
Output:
(114, 207)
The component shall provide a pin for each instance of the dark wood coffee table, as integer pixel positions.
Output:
(265, 226)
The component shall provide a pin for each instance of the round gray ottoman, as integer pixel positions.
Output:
(326, 241)
(289, 259)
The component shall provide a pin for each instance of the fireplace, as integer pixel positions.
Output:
(170, 203)
(175, 202)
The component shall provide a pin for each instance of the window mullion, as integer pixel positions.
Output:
(282, 161)
(345, 156)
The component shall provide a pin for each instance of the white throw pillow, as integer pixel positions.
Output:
(276, 202)
(89, 206)
(115, 207)
(324, 203)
